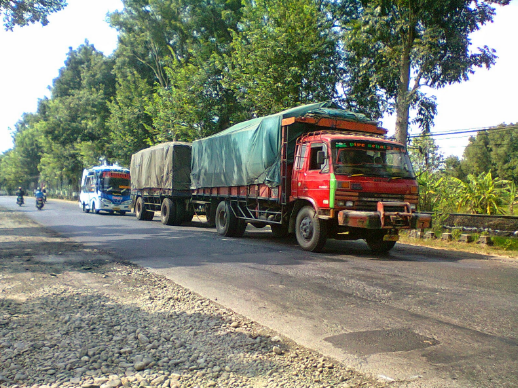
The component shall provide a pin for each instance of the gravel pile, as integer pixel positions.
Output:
(76, 318)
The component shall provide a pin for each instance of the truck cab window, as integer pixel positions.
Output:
(301, 155)
(313, 157)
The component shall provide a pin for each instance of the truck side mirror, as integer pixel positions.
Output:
(321, 157)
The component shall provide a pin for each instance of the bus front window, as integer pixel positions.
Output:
(116, 183)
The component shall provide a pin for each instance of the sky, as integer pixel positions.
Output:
(33, 55)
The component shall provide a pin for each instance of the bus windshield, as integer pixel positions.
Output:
(116, 183)
(371, 158)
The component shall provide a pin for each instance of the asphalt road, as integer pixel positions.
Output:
(419, 316)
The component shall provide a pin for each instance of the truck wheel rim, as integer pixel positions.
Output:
(306, 228)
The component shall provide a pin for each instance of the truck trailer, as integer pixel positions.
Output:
(316, 171)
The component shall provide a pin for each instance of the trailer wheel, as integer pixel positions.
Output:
(226, 221)
(376, 243)
(140, 211)
(168, 212)
(310, 230)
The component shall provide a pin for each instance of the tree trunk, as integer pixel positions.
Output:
(403, 100)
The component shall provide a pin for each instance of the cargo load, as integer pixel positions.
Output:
(250, 152)
(163, 166)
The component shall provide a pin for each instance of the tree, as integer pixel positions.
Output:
(284, 54)
(24, 12)
(174, 46)
(130, 125)
(425, 155)
(453, 167)
(495, 149)
(78, 110)
(395, 47)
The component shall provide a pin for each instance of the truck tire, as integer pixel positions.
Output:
(376, 243)
(168, 212)
(141, 212)
(226, 221)
(240, 228)
(85, 209)
(310, 230)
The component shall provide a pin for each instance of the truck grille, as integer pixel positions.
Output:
(369, 201)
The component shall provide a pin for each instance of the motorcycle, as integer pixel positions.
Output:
(39, 203)
(19, 200)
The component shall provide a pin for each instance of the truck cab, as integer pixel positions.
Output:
(354, 186)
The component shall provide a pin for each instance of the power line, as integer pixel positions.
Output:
(467, 131)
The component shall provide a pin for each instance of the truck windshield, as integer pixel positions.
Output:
(117, 183)
(371, 158)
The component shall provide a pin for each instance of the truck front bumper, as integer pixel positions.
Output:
(383, 219)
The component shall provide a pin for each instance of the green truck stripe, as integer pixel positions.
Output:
(332, 191)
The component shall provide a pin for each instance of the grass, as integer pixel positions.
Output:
(503, 246)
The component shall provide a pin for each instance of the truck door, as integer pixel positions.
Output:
(312, 179)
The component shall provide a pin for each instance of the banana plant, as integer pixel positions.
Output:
(481, 194)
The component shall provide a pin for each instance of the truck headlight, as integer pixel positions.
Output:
(106, 201)
(413, 207)
(349, 204)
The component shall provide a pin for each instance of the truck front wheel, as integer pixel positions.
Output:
(226, 221)
(376, 243)
(310, 230)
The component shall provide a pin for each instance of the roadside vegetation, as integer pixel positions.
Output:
(502, 246)
(482, 182)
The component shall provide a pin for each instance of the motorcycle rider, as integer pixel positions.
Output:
(39, 198)
(38, 194)
(20, 193)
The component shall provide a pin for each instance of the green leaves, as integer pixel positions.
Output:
(393, 47)
(25, 12)
(481, 194)
(284, 54)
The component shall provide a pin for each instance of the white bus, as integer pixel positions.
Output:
(105, 188)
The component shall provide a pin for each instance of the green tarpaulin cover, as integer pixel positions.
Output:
(249, 152)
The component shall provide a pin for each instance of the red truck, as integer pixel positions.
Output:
(315, 171)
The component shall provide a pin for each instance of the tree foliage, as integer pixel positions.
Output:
(493, 150)
(395, 47)
(24, 12)
(284, 54)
